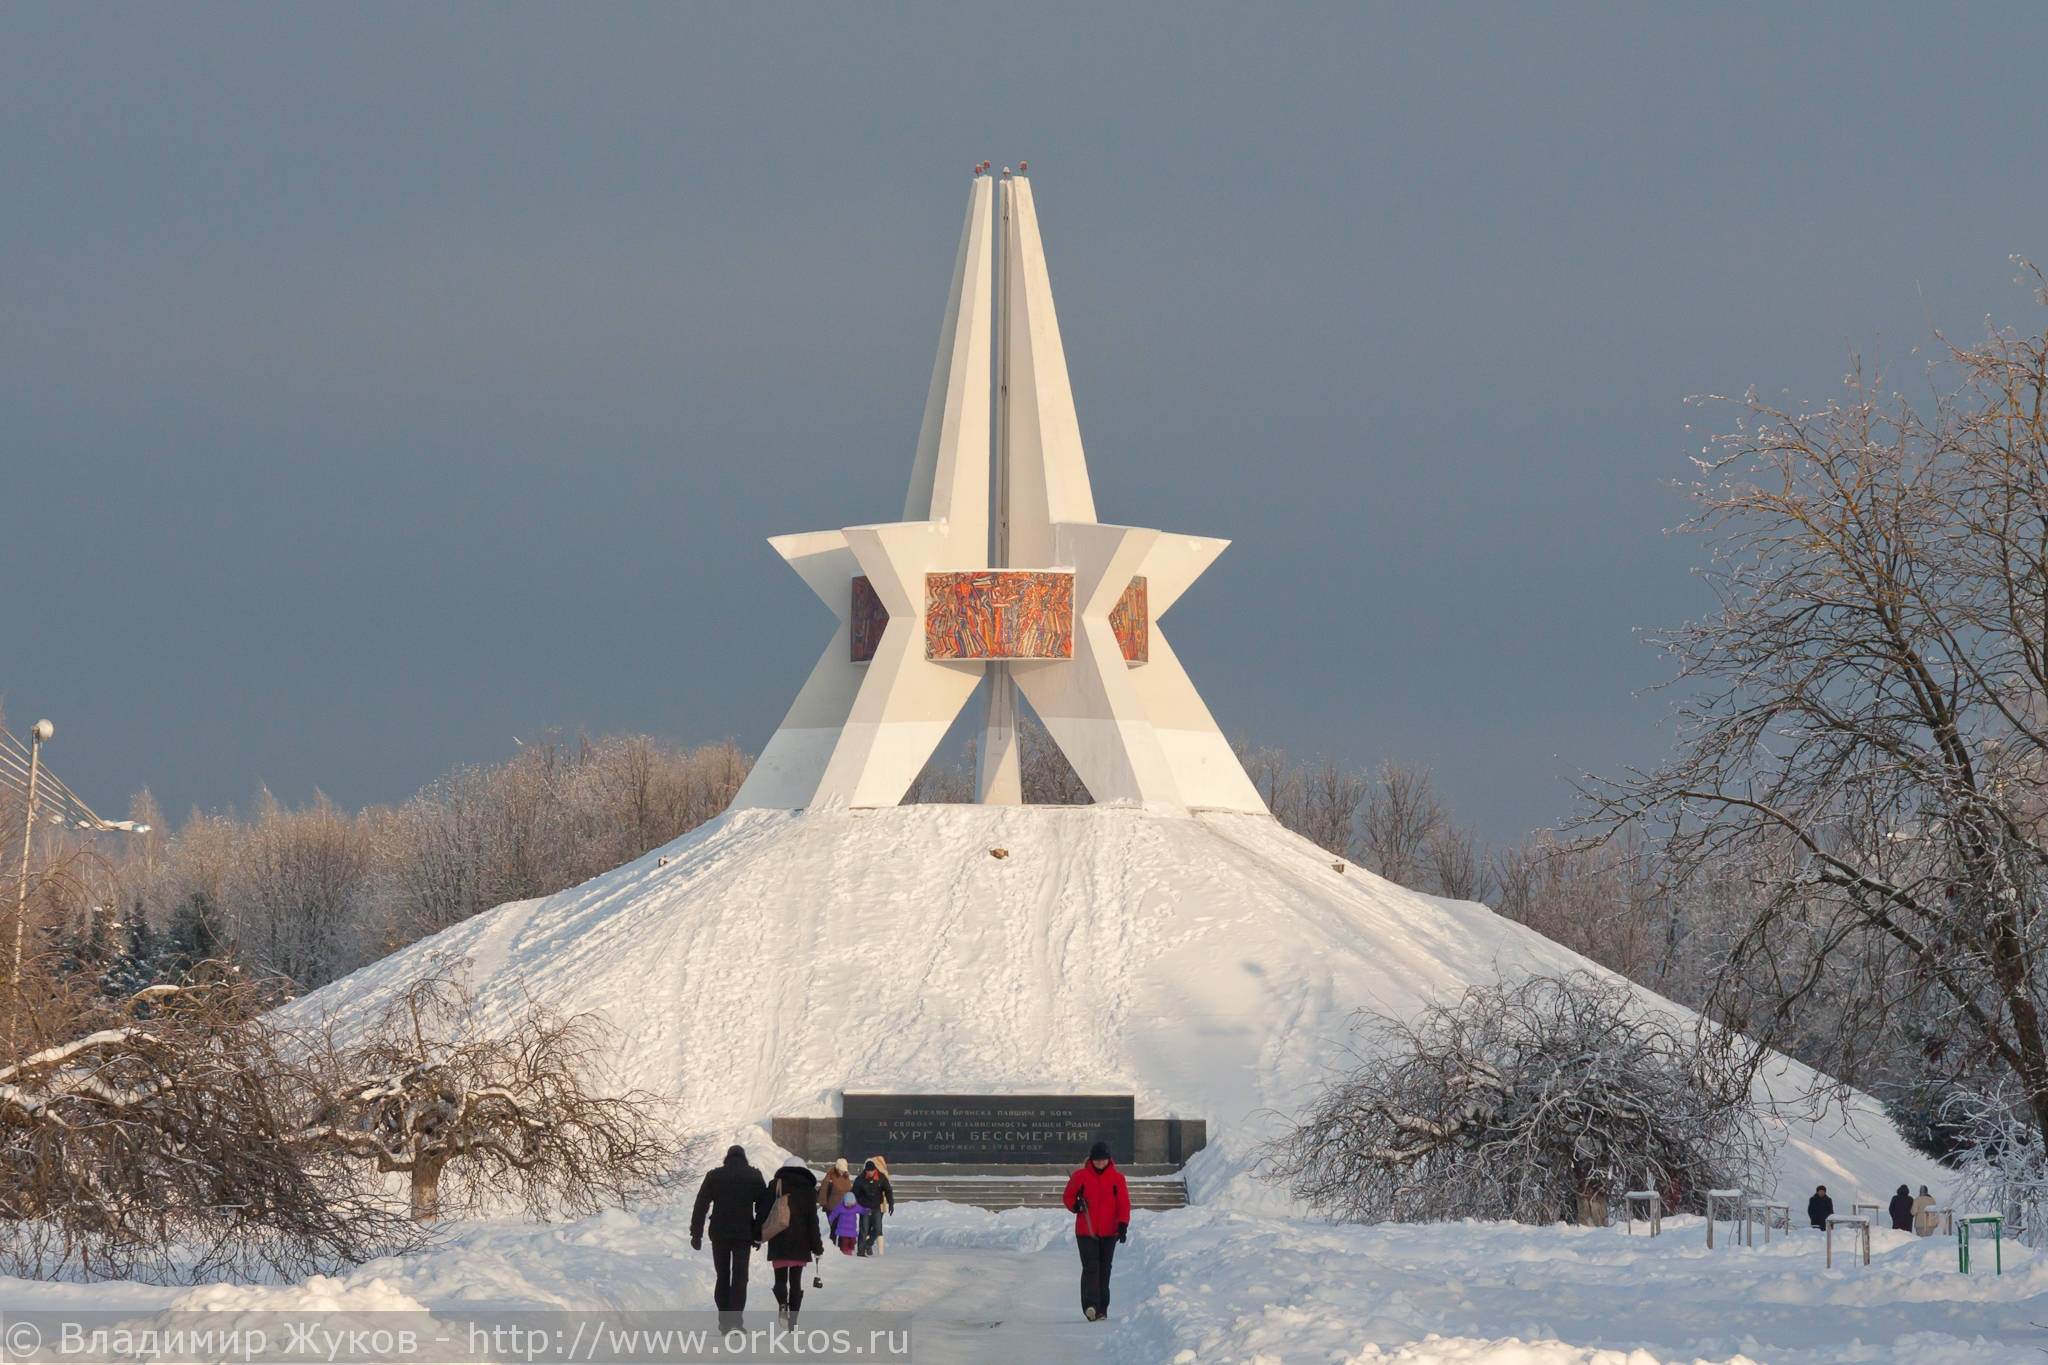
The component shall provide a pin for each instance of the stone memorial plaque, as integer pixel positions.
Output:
(996, 1130)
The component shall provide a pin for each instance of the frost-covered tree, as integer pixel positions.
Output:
(2001, 1161)
(1535, 1101)
(1863, 735)
(154, 1136)
(469, 1114)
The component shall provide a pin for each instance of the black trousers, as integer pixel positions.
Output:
(870, 1229)
(1096, 1254)
(789, 1286)
(729, 1261)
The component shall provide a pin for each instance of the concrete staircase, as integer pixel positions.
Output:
(1028, 1187)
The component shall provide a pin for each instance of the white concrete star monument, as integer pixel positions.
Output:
(1057, 606)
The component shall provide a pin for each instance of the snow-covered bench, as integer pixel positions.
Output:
(1653, 1210)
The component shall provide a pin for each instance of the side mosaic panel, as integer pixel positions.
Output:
(870, 617)
(1132, 622)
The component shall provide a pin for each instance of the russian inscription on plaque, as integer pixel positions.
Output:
(996, 1130)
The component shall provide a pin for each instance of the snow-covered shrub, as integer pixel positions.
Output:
(1535, 1100)
(153, 1137)
(473, 1115)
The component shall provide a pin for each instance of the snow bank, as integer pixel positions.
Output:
(1214, 1285)
(1229, 1287)
(1211, 965)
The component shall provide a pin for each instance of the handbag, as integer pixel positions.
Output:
(778, 1216)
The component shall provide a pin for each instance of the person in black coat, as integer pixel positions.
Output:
(1819, 1207)
(732, 1195)
(793, 1248)
(1901, 1210)
(876, 1196)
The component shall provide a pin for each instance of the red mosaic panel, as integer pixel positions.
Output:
(1132, 623)
(869, 619)
(999, 614)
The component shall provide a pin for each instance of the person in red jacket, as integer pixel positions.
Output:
(1101, 1204)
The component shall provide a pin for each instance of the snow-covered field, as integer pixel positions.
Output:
(1210, 1285)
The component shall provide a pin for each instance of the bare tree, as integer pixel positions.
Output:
(301, 880)
(155, 1139)
(1534, 1100)
(1330, 799)
(1267, 767)
(1402, 817)
(1864, 729)
(1457, 865)
(429, 1095)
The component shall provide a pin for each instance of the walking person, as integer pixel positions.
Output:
(845, 1221)
(876, 1197)
(1901, 1210)
(730, 1194)
(838, 1182)
(789, 1221)
(1924, 1219)
(1819, 1207)
(1100, 1201)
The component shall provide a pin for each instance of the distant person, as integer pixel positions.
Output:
(1924, 1221)
(876, 1197)
(838, 1182)
(1820, 1207)
(1901, 1210)
(731, 1193)
(1100, 1201)
(798, 1241)
(845, 1221)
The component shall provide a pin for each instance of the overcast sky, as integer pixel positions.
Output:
(378, 384)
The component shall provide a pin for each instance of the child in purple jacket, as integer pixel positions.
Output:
(846, 1223)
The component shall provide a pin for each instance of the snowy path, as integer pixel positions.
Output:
(981, 1304)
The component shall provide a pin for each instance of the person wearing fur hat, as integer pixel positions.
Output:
(876, 1197)
(1100, 1201)
(838, 1183)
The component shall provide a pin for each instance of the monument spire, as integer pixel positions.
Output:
(999, 758)
(1061, 608)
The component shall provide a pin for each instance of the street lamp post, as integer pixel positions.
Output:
(39, 732)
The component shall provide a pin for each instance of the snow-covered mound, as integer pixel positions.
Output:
(1210, 965)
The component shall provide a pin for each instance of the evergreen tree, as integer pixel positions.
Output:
(194, 933)
(139, 963)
